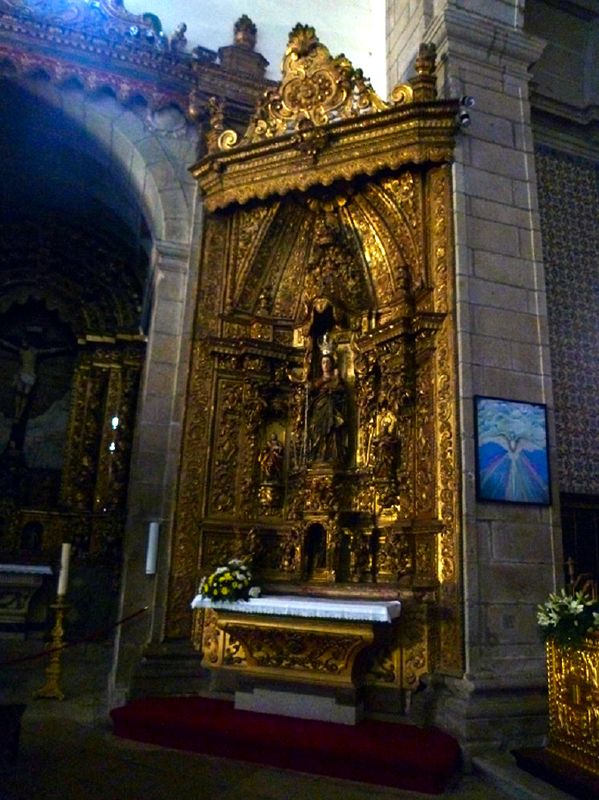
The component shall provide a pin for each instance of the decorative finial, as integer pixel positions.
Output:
(424, 84)
(422, 87)
(245, 33)
(302, 39)
(178, 41)
(425, 60)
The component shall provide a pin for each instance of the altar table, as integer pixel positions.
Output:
(301, 656)
(18, 584)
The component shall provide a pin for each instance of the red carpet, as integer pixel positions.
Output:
(405, 756)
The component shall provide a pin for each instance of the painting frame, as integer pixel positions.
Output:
(511, 451)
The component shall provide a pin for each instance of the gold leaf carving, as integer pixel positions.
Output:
(402, 93)
(573, 678)
(333, 271)
(414, 646)
(227, 140)
(211, 636)
(316, 89)
(291, 650)
(381, 665)
(440, 239)
(425, 473)
(194, 460)
(226, 449)
(250, 227)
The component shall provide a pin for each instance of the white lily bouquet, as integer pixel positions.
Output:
(232, 581)
(568, 618)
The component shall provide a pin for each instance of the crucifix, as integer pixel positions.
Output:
(25, 378)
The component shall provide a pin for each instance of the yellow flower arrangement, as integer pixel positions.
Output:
(229, 582)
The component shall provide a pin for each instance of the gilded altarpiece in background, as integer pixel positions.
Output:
(66, 428)
(320, 433)
(90, 511)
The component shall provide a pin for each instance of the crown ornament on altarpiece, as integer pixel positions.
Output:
(326, 345)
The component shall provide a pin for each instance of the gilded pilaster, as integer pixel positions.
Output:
(201, 393)
(446, 478)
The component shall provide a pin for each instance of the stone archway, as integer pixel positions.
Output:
(119, 173)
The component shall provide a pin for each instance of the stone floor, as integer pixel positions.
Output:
(68, 752)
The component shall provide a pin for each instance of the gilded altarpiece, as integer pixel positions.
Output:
(320, 432)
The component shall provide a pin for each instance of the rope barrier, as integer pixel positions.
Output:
(89, 638)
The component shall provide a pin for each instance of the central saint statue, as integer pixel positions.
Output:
(327, 412)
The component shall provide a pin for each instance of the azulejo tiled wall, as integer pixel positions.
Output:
(569, 208)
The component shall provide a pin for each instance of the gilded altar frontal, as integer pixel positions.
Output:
(320, 431)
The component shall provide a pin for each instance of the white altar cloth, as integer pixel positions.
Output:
(314, 607)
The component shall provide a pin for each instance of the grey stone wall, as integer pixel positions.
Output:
(512, 553)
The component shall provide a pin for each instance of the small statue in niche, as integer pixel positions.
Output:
(316, 550)
(360, 551)
(271, 460)
(327, 413)
(386, 453)
(264, 307)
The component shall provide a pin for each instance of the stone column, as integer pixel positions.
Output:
(511, 553)
(155, 456)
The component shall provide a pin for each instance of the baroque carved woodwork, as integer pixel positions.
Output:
(320, 437)
(99, 438)
(90, 509)
(292, 650)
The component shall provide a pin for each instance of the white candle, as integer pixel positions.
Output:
(63, 578)
(152, 551)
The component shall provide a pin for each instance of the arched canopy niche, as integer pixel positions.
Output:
(320, 432)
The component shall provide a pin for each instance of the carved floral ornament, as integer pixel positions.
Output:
(317, 89)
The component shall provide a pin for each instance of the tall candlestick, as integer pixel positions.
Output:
(63, 578)
(51, 689)
(152, 551)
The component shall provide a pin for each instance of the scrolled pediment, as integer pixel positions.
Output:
(324, 123)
